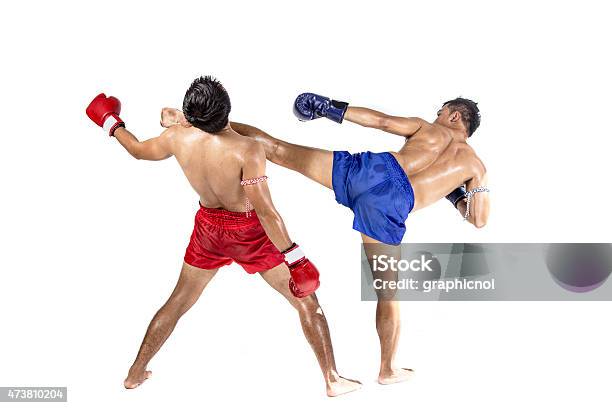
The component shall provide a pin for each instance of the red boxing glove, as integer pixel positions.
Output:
(104, 111)
(304, 275)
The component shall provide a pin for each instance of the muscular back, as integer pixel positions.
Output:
(213, 164)
(436, 163)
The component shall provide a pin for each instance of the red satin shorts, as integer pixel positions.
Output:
(221, 237)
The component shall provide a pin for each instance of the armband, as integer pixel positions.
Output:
(250, 182)
(469, 196)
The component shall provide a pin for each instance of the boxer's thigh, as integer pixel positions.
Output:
(374, 248)
(190, 285)
(316, 164)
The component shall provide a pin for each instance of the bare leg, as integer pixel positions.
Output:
(190, 285)
(387, 317)
(316, 164)
(315, 329)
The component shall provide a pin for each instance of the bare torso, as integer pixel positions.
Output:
(436, 163)
(213, 164)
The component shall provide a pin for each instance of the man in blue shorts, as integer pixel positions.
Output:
(382, 189)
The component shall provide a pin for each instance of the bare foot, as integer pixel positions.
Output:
(135, 378)
(395, 375)
(342, 386)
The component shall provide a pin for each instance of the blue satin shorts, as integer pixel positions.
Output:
(377, 190)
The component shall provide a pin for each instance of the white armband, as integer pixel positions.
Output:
(294, 255)
(469, 195)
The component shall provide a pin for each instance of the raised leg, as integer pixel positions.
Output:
(189, 287)
(315, 329)
(316, 164)
(387, 316)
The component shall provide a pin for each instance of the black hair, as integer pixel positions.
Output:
(206, 104)
(470, 114)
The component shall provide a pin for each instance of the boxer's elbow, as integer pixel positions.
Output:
(479, 223)
(480, 220)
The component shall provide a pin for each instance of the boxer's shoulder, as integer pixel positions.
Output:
(254, 150)
(467, 155)
(174, 134)
(246, 149)
(175, 131)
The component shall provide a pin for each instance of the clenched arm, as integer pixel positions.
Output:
(479, 203)
(259, 196)
(391, 124)
(157, 148)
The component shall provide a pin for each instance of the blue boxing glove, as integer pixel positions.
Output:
(309, 106)
(457, 195)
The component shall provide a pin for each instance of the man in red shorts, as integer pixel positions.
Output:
(236, 222)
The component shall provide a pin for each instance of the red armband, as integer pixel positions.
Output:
(250, 182)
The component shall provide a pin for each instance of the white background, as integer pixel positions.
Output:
(92, 240)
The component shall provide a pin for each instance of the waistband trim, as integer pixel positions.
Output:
(396, 171)
(400, 177)
(227, 219)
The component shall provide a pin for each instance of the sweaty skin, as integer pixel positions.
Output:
(215, 164)
(435, 157)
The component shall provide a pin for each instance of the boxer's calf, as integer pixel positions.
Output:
(316, 330)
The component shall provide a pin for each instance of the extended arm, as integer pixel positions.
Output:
(309, 106)
(391, 124)
(157, 148)
(104, 111)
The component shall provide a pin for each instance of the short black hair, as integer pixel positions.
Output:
(207, 104)
(470, 114)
